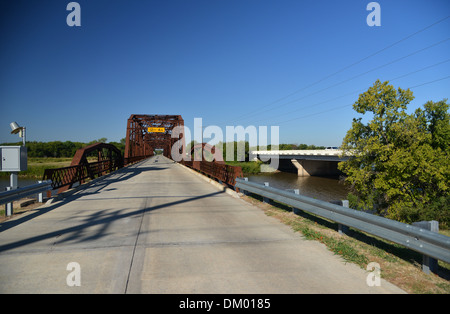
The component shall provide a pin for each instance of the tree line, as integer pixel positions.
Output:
(58, 149)
(241, 150)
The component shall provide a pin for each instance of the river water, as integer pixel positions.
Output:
(4, 182)
(321, 188)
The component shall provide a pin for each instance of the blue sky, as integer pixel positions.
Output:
(229, 62)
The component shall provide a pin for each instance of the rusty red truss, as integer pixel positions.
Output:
(109, 158)
(145, 133)
(215, 168)
(222, 172)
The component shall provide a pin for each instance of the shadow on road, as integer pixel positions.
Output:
(102, 218)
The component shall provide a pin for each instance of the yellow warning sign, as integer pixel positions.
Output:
(157, 130)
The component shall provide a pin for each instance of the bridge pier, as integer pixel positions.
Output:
(306, 168)
(306, 163)
(301, 171)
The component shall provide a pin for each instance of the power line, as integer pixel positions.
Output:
(351, 65)
(359, 91)
(426, 83)
(356, 76)
(348, 105)
(422, 69)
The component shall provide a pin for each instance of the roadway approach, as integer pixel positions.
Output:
(157, 227)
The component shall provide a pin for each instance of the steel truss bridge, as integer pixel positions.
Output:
(144, 135)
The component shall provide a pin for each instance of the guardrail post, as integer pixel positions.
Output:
(343, 229)
(429, 264)
(244, 191)
(13, 185)
(297, 192)
(8, 206)
(266, 199)
(40, 195)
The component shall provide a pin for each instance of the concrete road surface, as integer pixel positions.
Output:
(155, 227)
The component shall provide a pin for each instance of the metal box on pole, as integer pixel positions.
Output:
(13, 158)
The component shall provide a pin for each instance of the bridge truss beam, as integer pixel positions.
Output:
(145, 133)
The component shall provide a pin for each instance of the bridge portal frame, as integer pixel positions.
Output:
(141, 142)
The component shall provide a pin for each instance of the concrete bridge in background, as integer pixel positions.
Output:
(159, 227)
(305, 162)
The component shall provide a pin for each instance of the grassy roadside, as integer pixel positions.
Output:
(399, 265)
(248, 167)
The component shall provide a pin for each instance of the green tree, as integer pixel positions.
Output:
(400, 162)
(100, 140)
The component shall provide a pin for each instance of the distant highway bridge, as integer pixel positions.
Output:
(304, 162)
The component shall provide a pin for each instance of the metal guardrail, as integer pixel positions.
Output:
(12, 195)
(429, 243)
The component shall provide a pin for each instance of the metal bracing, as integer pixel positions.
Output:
(109, 158)
(145, 133)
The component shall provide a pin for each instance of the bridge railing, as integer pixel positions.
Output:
(429, 243)
(68, 176)
(325, 152)
(225, 173)
(109, 159)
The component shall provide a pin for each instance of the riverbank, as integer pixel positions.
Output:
(248, 167)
